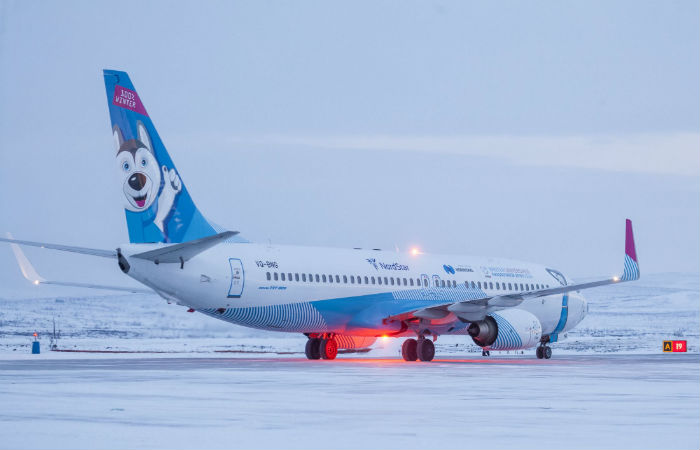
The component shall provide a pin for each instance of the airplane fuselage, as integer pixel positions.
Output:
(316, 290)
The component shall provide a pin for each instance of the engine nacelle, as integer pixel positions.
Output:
(346, 342)
(510, 329)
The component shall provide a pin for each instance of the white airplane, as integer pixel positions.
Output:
(338, 298)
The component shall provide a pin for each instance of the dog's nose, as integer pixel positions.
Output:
(137, 181)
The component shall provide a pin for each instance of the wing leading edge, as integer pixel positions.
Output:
(477, 309)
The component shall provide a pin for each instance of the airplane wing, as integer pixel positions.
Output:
(30, 273)
(179, 253)
(477, 309)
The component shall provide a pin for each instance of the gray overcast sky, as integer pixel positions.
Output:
(521, 129)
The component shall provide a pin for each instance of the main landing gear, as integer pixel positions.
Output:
(544, 350)
(323, 347)
(421, 348)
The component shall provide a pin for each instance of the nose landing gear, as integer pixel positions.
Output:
(544, 350)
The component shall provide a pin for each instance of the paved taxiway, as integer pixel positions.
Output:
(611, 401)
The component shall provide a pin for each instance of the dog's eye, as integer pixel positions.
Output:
(125, 166)
(143, 162)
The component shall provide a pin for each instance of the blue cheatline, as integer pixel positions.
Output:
(554, 335)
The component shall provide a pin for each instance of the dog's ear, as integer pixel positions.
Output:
(118, 138)
(143, 136)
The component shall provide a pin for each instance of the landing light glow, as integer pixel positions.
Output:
(415, 251)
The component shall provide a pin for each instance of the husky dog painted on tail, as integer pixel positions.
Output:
(145, 180)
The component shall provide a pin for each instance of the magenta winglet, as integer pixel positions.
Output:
(629, 242)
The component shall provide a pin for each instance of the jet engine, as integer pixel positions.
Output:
(510, 329)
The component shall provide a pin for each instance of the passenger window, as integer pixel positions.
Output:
(323, 277)
(303, 277)
(386, 280)
(443, 283)
(345, 279)
(296, 277)
(330, 278)
(275, 275)
(352, 279)
(379, 279)
(411, 280)
(289, 276)
(479, 284)
(337, 278)
(269, 276)
(490, 285)
(392, 280)
(425, 282)
(283, 276)
(454, 283)
(373, 281)
(366, 280)
(497, 286)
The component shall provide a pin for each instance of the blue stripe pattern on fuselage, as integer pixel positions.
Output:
(362, 311)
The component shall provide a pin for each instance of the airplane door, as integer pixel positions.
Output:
(235, 290)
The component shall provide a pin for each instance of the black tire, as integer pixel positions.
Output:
(547, 352)
(426, 350)
(313, 348)
(328, 348)
(540, 352)
(409, 350)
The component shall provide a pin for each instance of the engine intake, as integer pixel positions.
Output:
(484, 332)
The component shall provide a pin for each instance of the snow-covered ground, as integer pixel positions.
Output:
(575, 401)
(607, 386)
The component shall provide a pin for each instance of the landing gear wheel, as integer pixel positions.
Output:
(313, 348)
(328, 348)
(547, 352)
(485, 353)
(426, 350)
(539, 352)
(409, 350)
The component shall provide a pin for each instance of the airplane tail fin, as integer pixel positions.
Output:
(157, 204)
(631, 271)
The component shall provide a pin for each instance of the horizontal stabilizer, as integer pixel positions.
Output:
(65, 248)
(30, 273)
(179, 253)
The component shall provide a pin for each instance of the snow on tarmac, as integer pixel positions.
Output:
(586, 401)
(608, 384)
